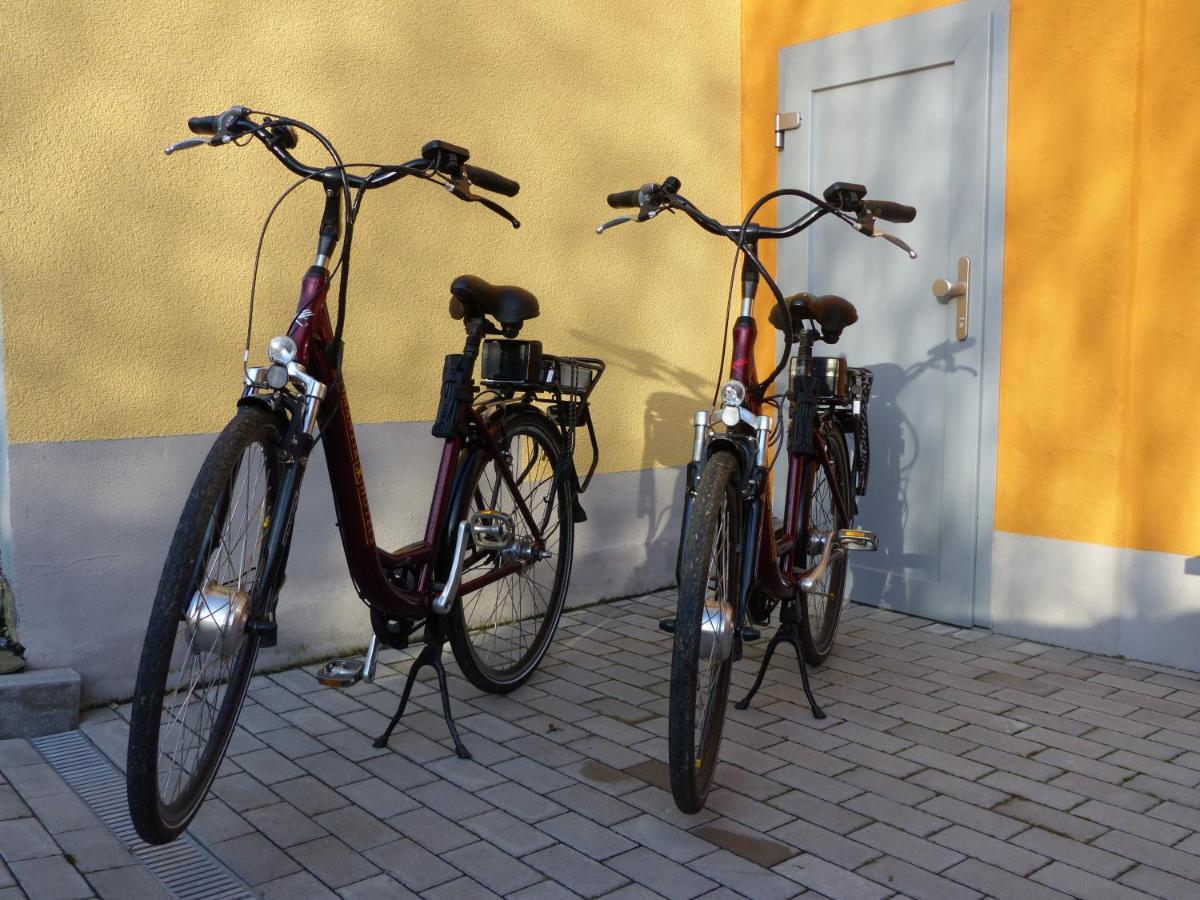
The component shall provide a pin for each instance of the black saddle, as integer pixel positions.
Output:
(472, 297)
(833, 313)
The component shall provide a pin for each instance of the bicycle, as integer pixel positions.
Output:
(489, 575)
(735, 562)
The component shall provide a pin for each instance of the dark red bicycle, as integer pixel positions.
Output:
(490, 574)
(736, 562)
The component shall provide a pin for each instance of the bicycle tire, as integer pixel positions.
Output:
(710, 540)
(193, 575)
(538, 592)
(821, 610)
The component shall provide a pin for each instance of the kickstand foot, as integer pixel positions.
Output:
(430, 655)
(788, 632)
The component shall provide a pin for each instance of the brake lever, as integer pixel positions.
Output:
(461, 188)
(892, 239)
(613, 223)
(185, 144)
(866, 225)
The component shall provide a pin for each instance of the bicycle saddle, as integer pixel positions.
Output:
(472, 297)
(833, 313)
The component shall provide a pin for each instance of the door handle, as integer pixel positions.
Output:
(946, 290)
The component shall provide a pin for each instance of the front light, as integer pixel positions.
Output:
(733, 393)
(281, 350)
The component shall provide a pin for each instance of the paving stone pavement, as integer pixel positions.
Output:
(953, 763)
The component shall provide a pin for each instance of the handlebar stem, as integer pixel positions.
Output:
(331, 218)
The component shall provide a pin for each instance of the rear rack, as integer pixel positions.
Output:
(562, 383)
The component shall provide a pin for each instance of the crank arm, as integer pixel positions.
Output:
(808, 583)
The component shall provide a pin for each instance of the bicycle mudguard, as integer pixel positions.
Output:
(456, 393)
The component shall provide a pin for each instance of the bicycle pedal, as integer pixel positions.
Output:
(341, 673)
(750, 634)
(856, 539)
(667, 625)
(267, 631)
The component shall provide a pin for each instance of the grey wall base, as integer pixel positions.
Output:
(92, 522)
(39, 702)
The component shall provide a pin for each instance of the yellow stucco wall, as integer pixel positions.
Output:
(1099, 363)
(124, 274)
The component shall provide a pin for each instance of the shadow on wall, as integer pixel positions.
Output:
(895, 450)
(655, 494)
(565, 98)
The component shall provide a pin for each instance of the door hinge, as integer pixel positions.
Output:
(785, 122)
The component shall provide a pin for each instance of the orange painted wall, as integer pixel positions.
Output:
(1099, 439)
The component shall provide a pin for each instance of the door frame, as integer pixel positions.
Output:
(986, 311)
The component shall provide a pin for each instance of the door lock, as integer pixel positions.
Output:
(946, 290)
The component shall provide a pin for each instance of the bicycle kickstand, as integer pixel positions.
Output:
(788, 632)
(430, 655)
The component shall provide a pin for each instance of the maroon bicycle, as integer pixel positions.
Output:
(490, 574)
(736, 562)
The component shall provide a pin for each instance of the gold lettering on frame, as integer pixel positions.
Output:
(360, 483)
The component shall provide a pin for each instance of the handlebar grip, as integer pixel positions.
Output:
(491, 181)
(623, 199)
(203, 124)
(889, 211)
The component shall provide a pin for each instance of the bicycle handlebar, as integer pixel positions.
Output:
(279, 136)
(889, 211)
(625, 199)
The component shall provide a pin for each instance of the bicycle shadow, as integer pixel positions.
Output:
(895, 448)
(667, 436)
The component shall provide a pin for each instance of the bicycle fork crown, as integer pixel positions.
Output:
(216, 618)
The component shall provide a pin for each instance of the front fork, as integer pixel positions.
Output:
(754, 458)
(299, 438)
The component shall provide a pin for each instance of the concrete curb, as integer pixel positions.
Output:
(44, 701)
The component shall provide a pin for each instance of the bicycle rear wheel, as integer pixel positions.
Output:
(501, 631)
(821, 608)
(198, 655)
(702, 658)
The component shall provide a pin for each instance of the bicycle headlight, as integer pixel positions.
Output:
(733, 393)
(281, 350)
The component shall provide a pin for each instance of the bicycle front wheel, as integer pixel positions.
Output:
(702, 658)
(500, 631)
(821, 608)
(198, 655)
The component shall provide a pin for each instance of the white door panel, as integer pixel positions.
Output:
(904, 109)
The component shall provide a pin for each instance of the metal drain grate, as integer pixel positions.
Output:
(185, 868)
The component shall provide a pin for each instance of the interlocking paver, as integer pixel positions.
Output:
(953, 763)
(492, 868)
(913, 881)
(572, 869)
(831, 880)
(25, 839)
(50, 878)
(991, 850)
(1079, 883)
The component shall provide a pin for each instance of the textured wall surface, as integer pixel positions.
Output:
(1099, 370)
(125, 274)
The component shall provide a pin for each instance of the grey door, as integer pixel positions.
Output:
(914, 110)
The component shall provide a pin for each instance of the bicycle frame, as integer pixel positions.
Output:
(770, 563)
(372, 569)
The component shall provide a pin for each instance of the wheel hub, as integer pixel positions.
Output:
(216, 618)
(716, 630)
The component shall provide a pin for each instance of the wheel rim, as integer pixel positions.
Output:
(822, 602)
(712, 681)
(508, 621)
(212, 648)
